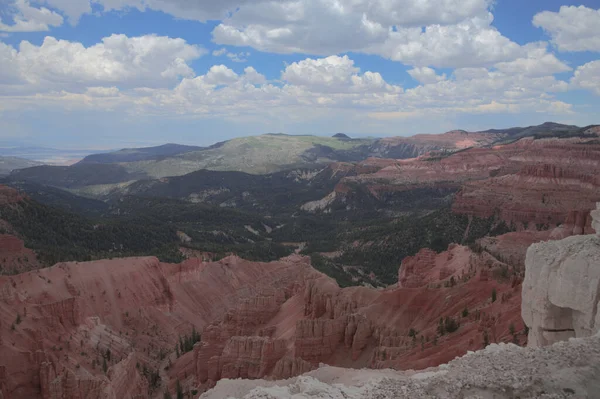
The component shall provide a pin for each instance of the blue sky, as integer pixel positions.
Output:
(117, 73)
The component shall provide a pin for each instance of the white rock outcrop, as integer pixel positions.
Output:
(320, 205)
(561, 290)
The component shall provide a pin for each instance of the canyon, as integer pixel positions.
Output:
(99, 329)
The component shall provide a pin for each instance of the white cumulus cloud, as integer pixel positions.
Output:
(571, 28)
(252, 76)
(425, 75)
(587, 77)
(153, 61)
(220, 75)
(439, 33)
(334, 74)
(30, 19)
(536, 62)
(473, 42)
(419, 33)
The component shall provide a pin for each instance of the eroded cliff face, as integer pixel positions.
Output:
(561, 291)
(529, 183)
(103, 329)
(555, 176)
(100, 329)
(315, 321)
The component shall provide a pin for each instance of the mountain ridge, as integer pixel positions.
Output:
(138, 154)
(10, 163)
(269, 153)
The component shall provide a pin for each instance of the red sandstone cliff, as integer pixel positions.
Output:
(362, 327)
(257, 320)
(14, 257)
(554, 176)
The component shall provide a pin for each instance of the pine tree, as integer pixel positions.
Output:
(441, 328)
(494, 295)
(178, 390)
(104, 365)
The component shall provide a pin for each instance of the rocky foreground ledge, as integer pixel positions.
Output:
(568, 369)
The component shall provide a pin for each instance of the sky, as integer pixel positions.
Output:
(106, 74)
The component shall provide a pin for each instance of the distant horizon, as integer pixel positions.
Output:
(16, 148)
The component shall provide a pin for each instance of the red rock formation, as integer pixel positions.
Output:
(257, 320)
(542, 192)
(3, 388)
(57, 324)
(361, 327)
(427, 266)
(250, 356)
(14, 257)
(10, 244)
(414, 269)
(288, 367)
(527, 183)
